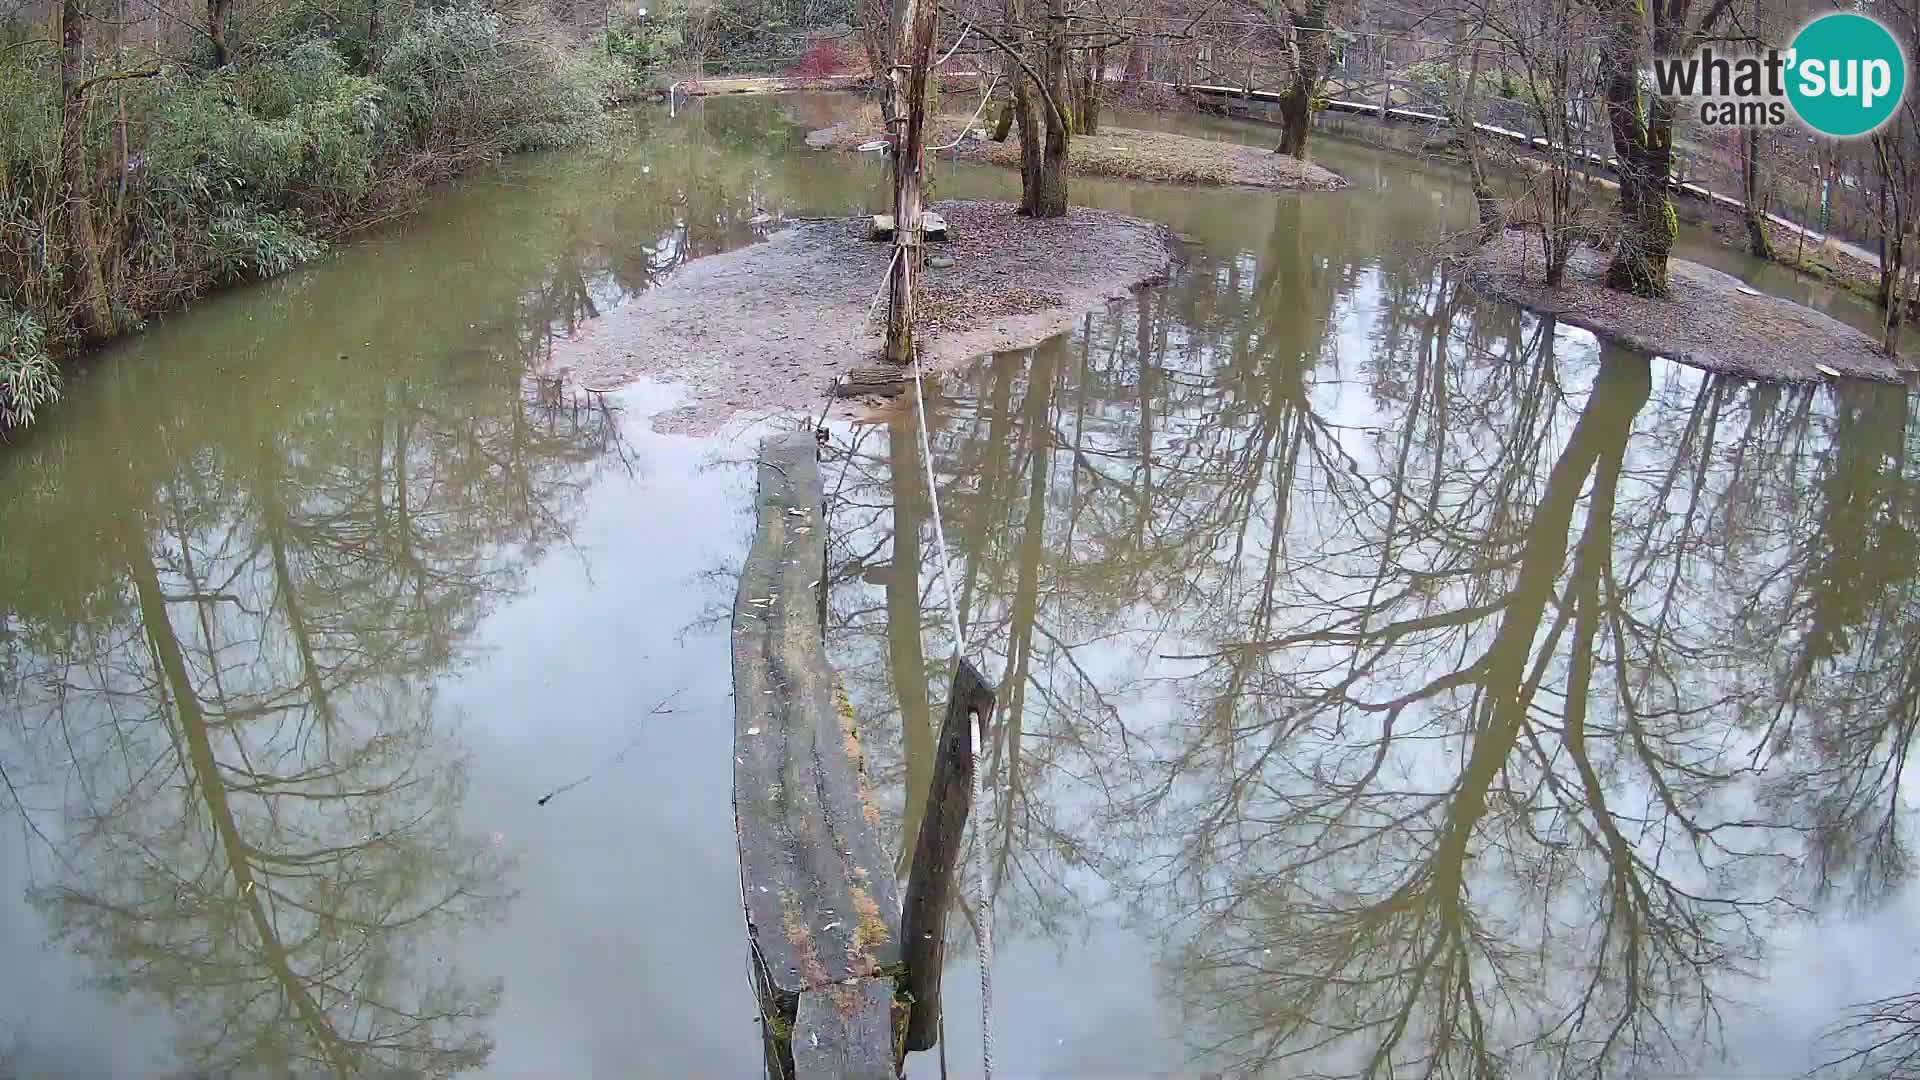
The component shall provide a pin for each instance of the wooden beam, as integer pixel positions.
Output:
(931, 883)
(846, 1033)
(822, 909)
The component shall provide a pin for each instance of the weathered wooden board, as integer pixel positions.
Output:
(846, 1032)
(821, 904)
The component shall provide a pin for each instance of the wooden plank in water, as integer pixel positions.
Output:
(846, 1032)
(821, 904)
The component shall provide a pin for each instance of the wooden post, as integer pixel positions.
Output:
(912, 57)
(930, 882)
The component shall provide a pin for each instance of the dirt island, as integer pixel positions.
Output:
(1709, 320)
(771, 326)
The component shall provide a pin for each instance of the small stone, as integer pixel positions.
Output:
(939, 262)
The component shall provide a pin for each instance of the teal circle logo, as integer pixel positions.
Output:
(1847, 74)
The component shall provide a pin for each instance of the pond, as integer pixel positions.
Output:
(1388, 679)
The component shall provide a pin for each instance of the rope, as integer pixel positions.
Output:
(983, 897)
(968, 29)
(984, 98)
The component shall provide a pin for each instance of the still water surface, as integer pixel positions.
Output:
(1389, 680)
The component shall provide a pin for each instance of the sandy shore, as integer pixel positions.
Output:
(1122, 153)
(1710, 320)
(769, 327)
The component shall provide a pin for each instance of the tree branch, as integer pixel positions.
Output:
(115, 76)
(1053, 107)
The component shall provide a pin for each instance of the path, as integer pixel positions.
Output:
(1535, 142)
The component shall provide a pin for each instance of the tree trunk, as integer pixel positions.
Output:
(1003, 121)
(876, 40)
(1466, 109)
(1023, 109)
(373, 34)
(915, 51)
(1051, 197)
(1643, 147)
(1896, 218)
(1296, 117)
(1755, 201)
(1309, 57)
(1096, 80)
(85, 285)
(217, 30)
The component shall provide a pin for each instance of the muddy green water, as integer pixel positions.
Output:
(1390, 681)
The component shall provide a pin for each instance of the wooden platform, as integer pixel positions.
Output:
(823, 913)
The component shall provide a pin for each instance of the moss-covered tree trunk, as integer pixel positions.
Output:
(85, 285)
(1296, 118)
(217, 30)
(1754, 202)
(1643, 150)
(1310, 41)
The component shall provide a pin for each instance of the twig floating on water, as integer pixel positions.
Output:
(659, 709)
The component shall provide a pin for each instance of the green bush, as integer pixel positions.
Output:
(455, 76)
(248, 243)
(28, 377)
(645, 47)
(237, 173)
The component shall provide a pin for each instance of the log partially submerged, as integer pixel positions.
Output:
(822, 910)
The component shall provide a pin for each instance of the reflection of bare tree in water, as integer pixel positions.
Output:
(1461, 709)
(1570, 895)
(1849, 704)
(262, 797)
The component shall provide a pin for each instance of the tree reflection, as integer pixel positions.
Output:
(1473, 705)
(260, 796)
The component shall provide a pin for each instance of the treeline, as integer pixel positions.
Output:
(148, 155)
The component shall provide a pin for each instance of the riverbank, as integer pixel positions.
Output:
(1711, 320)
(215, 176)
(1115, 152)
(1421, 134)
(771, 326)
